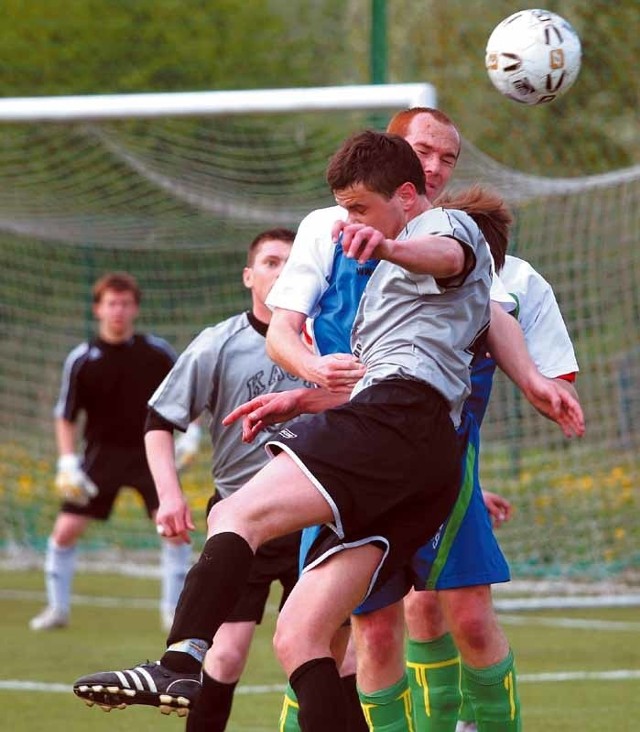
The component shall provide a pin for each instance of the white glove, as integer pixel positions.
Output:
(187, 445)
(72, 483)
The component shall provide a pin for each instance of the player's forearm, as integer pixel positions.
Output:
(312, 401)
(440, 256)
(65, 436)
(160, 452)
(285, 347)
(509, 349)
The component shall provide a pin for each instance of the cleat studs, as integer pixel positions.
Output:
(129, 692)
(105, 708)
(182, 712)
(88, 702)
(165, 699)
(97, 688)
(165, 709)
(121, 706)
(183, 701)
(83, 689)
(113, 689)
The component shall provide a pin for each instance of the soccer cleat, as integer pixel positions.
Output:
(150, 684)
(49, 619)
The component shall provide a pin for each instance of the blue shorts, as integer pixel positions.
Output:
(463, 553)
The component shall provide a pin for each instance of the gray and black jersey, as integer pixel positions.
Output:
(224, 366)
(111, 383)
(413, 326)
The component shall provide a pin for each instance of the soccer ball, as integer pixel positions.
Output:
(533, 56)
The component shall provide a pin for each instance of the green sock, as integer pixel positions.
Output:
(289, 715)
(493, 692)
(389, 710)
(467, 712)
(434, 678)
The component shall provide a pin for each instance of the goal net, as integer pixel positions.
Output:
(173, 187)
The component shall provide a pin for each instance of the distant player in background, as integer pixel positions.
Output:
(222, 367)
(110, 378)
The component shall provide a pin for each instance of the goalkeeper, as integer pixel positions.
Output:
(109, 378)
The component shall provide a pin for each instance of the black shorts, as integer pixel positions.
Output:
(112, 468)
(275, 561)
(388, 464)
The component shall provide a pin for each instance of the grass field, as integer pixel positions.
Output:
(579, 669)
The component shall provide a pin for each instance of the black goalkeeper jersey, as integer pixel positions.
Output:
(112, 383)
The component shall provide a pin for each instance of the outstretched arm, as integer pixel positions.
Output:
(270, 409)
(552, 399)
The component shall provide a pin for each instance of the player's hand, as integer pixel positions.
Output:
(187, 445)
(359, 241)
(338, 372)
(72, 483)
(265, 410)
(173, 519)
(499, 508)
(556, 403)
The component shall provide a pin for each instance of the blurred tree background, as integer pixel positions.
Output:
(118, 46)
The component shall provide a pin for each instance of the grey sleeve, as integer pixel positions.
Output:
(186, 390)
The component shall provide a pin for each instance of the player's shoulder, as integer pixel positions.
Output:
(158, 344)
(323, 217)
(518, 272)
(216, 336)
(78, 353)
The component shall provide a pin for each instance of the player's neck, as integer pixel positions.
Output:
(114, 337)
(261, 312)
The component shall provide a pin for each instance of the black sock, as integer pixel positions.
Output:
(212, 588)
(318, 689)
(212, 708)
(357, 722)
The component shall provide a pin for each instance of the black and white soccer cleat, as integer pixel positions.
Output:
(150, 684)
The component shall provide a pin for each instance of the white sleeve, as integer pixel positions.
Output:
(304, 277)
(544, 328)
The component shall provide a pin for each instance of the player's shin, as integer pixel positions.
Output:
(318, 689)
(493, 692)
(434, 677)
(390, 709)
(211, 590)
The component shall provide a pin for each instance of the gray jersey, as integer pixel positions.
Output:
(411, 326)
(221, 368)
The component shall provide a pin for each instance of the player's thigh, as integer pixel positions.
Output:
(69, 527)
(279, 499)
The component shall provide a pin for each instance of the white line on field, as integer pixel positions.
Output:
(553, 676)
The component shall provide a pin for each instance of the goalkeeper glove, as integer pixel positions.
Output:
(187, 445)
(72, 483)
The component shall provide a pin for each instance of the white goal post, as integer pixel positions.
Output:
(183, 104)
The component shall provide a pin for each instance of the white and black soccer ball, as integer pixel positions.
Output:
(533, 56)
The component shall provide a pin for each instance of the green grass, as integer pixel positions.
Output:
(103, 638)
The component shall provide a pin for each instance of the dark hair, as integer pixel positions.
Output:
(281, 234)
(380, 161)
(490, 213)
(118, 282)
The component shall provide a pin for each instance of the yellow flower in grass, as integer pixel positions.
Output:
(619, 533)
(25, 485)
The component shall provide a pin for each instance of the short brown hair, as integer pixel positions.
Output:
(401, 121)
(382, 162)
(490, 213)
(281, 234)
(118, 282)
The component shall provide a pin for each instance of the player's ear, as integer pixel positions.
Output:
(407, 194)
(247, 277)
